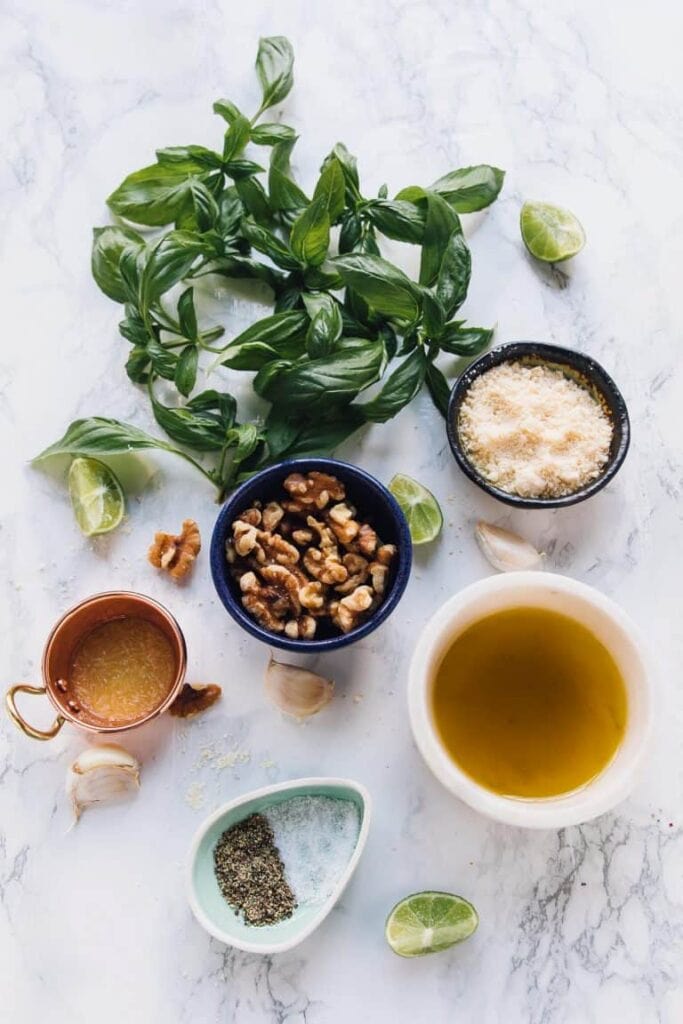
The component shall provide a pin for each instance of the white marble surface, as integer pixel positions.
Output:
(580, 102)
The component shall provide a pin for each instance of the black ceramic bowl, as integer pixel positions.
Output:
(374, 503)
(584, 371)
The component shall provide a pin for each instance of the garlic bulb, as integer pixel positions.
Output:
(296, 691)
(101, 773)
(506, 551)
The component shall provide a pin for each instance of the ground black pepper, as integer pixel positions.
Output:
(250, 873)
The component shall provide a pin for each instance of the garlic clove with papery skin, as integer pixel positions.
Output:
(99, 774)
(297, 691)
(506, 551)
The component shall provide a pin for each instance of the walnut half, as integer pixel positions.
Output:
(176, 555)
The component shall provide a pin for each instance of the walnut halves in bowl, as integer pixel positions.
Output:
(308, 559)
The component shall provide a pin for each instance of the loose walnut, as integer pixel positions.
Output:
(176, 555)
(308, 557)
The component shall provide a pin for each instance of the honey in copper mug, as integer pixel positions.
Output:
(529, 703)
(121, 671)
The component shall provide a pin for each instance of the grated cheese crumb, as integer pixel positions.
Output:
(532, 431)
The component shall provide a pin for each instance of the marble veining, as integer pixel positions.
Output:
(580, 103)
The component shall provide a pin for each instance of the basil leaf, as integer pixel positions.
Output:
(320, 384)
(288, 299)
(454, 273)
(221, 405)
(252, 355)
(108, 245)
(283, 333)
(325, 329)
(269, 134)
(187, 317)
(382, 285)
(270, 245)
(169, 262)
(155, 195)
(236, 138)
(465, 341)
(387, 334)
(433, 314)
(264, 379)
(99, 436)
(186, 370)
(230, 211)
(323, 436)
(133, 328)
(201, 157)
(399, 389)
(310, 235)
(241, 267)
(239, 169)
(470, 188)
(244, 438)
(438, 388)
(397, 219)
(440, 223)
(138, 364)
(314, 302)
(412, 194)
(284, 193)
(274, 67)
(204, 206)
(254, 198)
(351, 232)
(191, 427)
(163, 361)
(227, 110)
(330, 188)
(131, 265)
(324, 277)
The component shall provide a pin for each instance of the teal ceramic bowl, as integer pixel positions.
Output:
(211, 909)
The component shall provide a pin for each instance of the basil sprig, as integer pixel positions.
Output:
(352, 339)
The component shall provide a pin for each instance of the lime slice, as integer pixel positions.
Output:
(419, 506)
(550, 233)
(96, 496)
(428, 922)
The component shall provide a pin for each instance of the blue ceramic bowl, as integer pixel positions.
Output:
(374, 503)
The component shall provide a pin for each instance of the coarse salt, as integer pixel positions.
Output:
(532, 431)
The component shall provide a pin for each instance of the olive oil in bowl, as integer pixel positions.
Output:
(529, 703)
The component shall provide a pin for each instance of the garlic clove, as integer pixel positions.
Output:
(506, 551)
(99, 774)
(296, 691)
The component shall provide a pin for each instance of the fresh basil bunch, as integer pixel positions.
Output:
(344, 318)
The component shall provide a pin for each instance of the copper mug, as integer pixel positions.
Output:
(61, 646)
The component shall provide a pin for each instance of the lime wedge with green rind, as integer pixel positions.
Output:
(419, 506)
(428, 922)
(550, 233)
(96, 495)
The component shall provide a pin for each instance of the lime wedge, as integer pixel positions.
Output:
(96, 496)
(550, 233)
(419, 506)
(428, 922)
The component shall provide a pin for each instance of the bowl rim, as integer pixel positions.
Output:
(553, 355)
(597, 796)
(325, 907)
(219, 565)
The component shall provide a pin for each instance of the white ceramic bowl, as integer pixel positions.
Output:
(607, 622)
(212, 910)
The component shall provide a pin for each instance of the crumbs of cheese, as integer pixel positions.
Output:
(532, 431)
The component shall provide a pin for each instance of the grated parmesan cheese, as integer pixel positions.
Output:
(532, 431)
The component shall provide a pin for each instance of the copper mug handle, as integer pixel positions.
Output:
(30, 730)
